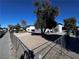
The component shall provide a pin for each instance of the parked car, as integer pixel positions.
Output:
(2, 32)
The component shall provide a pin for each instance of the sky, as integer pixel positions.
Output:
(13, 11)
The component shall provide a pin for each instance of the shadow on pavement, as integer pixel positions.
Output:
(50, 37)
(35, 33)
(71, 43)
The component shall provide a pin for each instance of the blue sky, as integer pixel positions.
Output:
(13, 11)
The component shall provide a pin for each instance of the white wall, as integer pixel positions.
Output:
(30, 28)
(60, 28)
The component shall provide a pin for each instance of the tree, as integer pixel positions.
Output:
(17, 27)
(11, 28)
(46, 15)
(23, 24)
(70, 23)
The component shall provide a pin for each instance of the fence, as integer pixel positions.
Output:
(54, 50)
(22, 52)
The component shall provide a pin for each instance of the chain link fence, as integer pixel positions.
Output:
(57, 51)
(54, 50)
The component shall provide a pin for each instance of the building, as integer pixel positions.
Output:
(60, 26)
(30, 28)
(58, 29)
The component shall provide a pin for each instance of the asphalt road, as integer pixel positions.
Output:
(5, 47)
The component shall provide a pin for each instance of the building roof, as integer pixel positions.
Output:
(60, 24)
(29, 26)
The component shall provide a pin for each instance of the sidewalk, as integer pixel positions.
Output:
(31, 41)
(5, 47)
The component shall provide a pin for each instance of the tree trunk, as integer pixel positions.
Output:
(42, 30)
